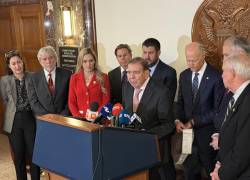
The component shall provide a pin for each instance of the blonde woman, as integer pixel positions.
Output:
(87, 85)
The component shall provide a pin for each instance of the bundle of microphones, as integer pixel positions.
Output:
(115, 115)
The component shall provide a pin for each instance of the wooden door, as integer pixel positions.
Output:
(29, 32)
(21, 28)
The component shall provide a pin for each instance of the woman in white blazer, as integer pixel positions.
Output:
(19, 120)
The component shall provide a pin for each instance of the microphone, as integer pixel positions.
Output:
(105, 113)
(124, 118)
(115, 112)
(135, 121)
(135, 118)
(92, 113)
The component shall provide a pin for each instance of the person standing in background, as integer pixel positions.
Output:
(200, 92)
(87, 85)
(49, 87)
(118, 76)
(19, 120)
(233, 161)
(159, 71)
(233, 46)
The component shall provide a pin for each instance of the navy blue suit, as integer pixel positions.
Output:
(166, 75)
(202, 110)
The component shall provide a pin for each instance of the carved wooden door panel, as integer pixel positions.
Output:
(216, 20)
(29, 32)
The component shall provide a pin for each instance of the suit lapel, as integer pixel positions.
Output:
(58, 80)
(236, 107)
(148, 92)
(44, 83)
(13, 88)
(157, 71)
(118, 76)
(129, 97)
(188, 86)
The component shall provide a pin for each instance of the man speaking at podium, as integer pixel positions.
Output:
(150, 104)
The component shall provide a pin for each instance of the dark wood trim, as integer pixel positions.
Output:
(89, 24)
(69, 122)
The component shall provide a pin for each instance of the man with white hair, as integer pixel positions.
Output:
(233, 156)
(233, 46)
(49, 87)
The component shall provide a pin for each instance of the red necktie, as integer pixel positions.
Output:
(136, 99)
(50, 84)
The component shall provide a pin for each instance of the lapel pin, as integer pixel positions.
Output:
(207, 77)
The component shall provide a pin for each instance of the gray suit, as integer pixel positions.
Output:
(8, 92)
(21, 126)
(42, 102)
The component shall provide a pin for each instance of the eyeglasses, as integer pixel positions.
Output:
(11, 54)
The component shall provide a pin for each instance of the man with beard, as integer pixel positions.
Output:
(159, 71)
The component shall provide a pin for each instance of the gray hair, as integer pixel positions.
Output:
(47, 50)
(240, 64)
(240, 44)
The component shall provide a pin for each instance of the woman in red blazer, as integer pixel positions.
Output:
(87, 85)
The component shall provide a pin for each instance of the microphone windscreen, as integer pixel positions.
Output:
(106, 110)
(124, 118)
(117, 109)
(94, 106)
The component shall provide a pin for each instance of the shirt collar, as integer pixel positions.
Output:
(122, 69)
(202, 70)
(152, 69)
(240, 90)
(52, 72)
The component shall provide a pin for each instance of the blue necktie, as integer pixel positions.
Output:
(195, 85)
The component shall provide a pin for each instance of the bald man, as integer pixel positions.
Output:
(200, 91)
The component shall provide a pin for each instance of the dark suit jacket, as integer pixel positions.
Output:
(167, 75)
(154, 109)
(204, 107)
(42, 102)
(234, 152)
(115, 85)
(221, 111)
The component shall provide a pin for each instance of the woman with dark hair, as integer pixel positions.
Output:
(87, 85)
(19, 120)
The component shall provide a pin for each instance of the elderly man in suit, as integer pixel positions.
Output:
(200, 91)
(118, 76)
(150, 100)
(234, 45)
(49, 87)
(233, 156)
(151, 50)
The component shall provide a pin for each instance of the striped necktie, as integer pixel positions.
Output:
(229, 107)
(195, 85)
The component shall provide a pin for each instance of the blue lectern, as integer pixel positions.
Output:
(84, 151)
